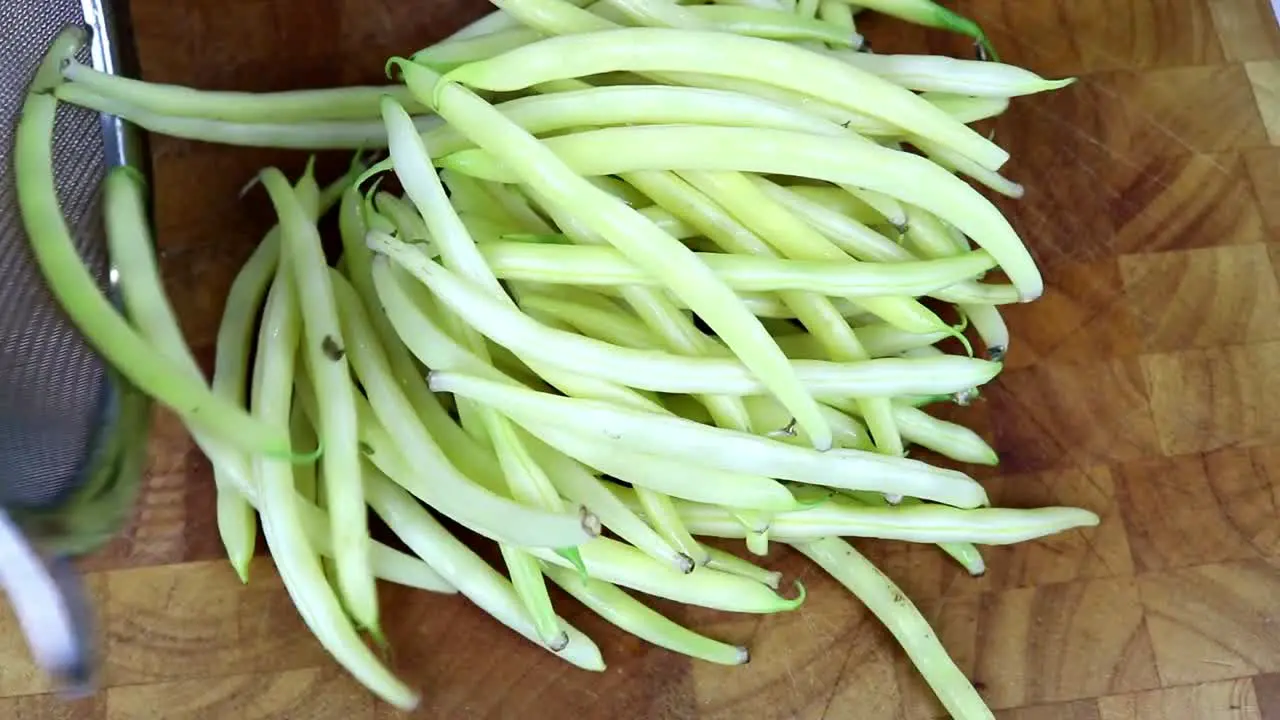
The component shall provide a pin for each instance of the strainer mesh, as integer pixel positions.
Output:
(53, 393)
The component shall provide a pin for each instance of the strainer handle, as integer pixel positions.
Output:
(48, 600)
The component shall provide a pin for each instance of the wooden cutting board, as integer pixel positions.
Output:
(1145, 386)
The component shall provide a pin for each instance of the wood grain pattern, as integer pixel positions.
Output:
(1229, 700)
(1144, 385)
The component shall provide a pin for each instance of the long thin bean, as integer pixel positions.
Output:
(863, 243)
(324, 349)
(769, 222)
(734, 565)
(230, 371)
(576, 483)
(639, 104)
(92, 313)
(880, 340)
(677, 479)
(278, 340)
(527, 481)
(752, 22)
(841, 15)
(452, 53)
(932, 14)
(637, 238)
(908, 177)
(129, 242)
(301, 135)
(448, 490)
(940, 73)
(626, 612)
(901, 617)
(498, 20)
(950, 439)
(795, 239)
(615, 327)
(617, 563)
(967, 108)
(917, 523)
(964, 553)
(664, 372)
(779, 64)
(583, 265)
(931, 238)
(340, 103)
(717, 447)
(473, 577)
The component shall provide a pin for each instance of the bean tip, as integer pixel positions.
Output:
(590, 523)
(61, 56)
(393, 63)
(744, 655)
(788, 430)
(375, 169)
(1026, 296)
(253, 183)
(801, 594)
(559, 642)
(684, 563)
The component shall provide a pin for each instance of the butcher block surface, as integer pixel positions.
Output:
(1144, 385)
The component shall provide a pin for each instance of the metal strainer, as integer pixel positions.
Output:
(71, 432)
